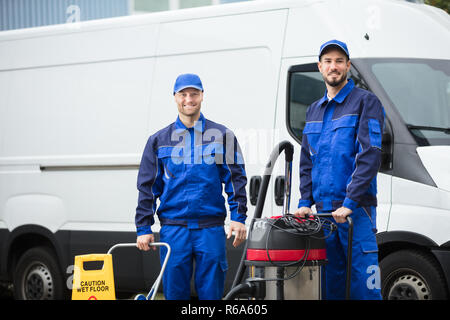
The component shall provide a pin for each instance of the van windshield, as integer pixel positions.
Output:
(420, 91)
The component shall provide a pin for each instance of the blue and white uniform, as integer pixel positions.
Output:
(340, 158)
(186, 168)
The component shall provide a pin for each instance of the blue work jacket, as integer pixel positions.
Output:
(186, 169)
(341, 150)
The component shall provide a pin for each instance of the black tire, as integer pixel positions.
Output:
(38, 277)
(411, 275)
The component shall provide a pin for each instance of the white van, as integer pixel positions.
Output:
(78, 102)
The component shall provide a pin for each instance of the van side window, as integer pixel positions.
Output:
(306, 85)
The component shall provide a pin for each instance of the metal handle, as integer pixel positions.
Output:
(287, 181)
(133, 244)
(157, 282)
(288, 149)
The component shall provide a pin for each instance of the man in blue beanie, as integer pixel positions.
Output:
(339, 161)
(186, 165)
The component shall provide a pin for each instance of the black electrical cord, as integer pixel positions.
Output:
(310, 226)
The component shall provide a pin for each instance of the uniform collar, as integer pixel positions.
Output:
(199, 125)
(342, 94)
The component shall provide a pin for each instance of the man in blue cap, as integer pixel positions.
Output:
(339, 161)
(185, 165)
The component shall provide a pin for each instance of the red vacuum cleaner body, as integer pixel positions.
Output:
(276, 239)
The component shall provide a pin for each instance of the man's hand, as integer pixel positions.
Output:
(143, 241)
(240, 232)
(302, 212)
(340, 215)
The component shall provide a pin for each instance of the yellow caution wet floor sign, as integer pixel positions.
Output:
(93, 284)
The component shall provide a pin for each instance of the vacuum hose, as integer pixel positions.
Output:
(247, 287)
(288, 148)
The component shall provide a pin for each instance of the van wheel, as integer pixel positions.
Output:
(37, 276)
(411, 275)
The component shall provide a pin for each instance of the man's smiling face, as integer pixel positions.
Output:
(189, 101)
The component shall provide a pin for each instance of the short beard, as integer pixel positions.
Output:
(337, 82)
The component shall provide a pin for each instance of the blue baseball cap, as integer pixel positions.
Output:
(187, 80)
(334, 43)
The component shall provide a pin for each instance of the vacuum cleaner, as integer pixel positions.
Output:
(285, 254)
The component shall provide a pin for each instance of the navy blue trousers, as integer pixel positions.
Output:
(205, 247)
(365, 273)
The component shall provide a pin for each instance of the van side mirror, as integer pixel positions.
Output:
(279, 190)
(255, 184)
